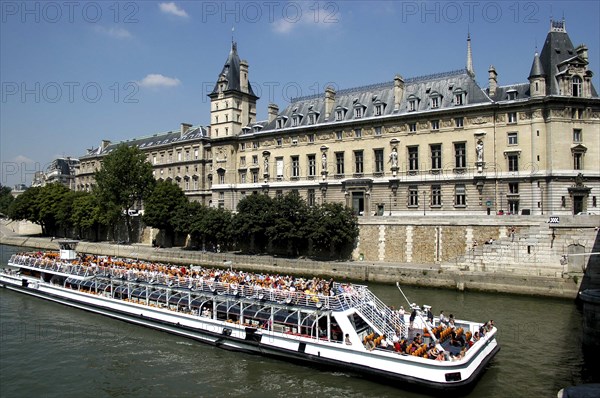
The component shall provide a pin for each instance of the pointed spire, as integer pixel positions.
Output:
(536, 68)
(469, 55)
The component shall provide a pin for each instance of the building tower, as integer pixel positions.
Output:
(469, 56)
(232, 101)
(537, 78)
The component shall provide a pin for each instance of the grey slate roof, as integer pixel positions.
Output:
(169, 137)
(537, 70)
(522, 90)
(231, 72)
(421, 88)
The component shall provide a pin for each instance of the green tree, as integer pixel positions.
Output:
(54, 207)
(26, 207)
(251, 222)
(215, 227)
(124, 181)
(186, 218)
(333, 230)
(6, 199)
(287, 229)
(161, 207)
(86, 215)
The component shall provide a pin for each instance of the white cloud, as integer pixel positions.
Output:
(171, 8)
(156, 80)
(116, 32)
(22, 159)
(313, 15)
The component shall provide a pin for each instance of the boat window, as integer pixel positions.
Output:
(358, 323)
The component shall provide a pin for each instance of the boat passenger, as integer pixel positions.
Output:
(413, 315)
(347, 339)
(443, 319)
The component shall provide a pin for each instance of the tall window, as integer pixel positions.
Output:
(513, 188)
(412, 105)
(358, 162)
(435, 102)
(413, 196)
(413, 158)
(412, 127)
(460, 196)
(378, 130)
(254, 176)
(460, 155)
(378, 160)
(312, 165)
(513, 138)
(242, 177)
(378, 109)
(576, 86)
(512, 117)
(577, 135)
(435, 124)
(436, 156)
(339, 163)
(339, 135)
(577, 161)
(436, 195)
(295, 166)
(459, 122)
(513, 162)
(279, 168)
(310, 197)
(357, 133)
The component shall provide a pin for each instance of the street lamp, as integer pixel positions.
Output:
(424, 204)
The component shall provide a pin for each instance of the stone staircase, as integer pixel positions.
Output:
(537, 249)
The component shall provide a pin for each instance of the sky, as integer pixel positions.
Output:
(74, 73)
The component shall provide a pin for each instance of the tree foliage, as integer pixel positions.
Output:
(251, 222)
(124, 181)
(6, 199)
(86, 216)
(287, 227)
(162, 205)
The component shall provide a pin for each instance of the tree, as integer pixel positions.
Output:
(333, 229)
(6, 199)
(53, 208)
(161, 206)
(215, 227)
(251, 222)
(287, 227)
(26, 207)
(124, 180)
(86, 214)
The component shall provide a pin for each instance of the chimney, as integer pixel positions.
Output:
(273, 111)
(244, 76)
(184, 128)
(104, 144)
(582, 51)
(329, 101)
(493, 81)
(398, 91)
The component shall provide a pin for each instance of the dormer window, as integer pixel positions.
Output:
(296, 119)
(413, 103)
(435, 100)
(359, 111)
(459, 97)
(340, 113)
(379, 107)
(279, 123)
(511, 95)
(311, 118)
(257, 128)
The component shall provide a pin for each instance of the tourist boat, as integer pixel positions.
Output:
(333, 325)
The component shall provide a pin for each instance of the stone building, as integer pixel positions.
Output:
(433, 145)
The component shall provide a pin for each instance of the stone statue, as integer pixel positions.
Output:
(394, 157)
(324, 161)
(479, 151)
(266, 164)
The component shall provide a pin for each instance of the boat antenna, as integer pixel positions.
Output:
(435, 340)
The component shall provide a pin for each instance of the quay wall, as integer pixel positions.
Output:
(478, 269)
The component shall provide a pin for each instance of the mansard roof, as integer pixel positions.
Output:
(155, 140)
(444, 86)
(521, 89)
(231, 73)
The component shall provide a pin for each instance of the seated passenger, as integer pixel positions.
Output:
(347, 339)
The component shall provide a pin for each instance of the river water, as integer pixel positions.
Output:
(51, 350)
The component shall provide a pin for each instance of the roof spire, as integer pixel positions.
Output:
(469, 55)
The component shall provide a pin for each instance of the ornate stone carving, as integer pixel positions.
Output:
(446, 123)
(500, 118)
(326, 136)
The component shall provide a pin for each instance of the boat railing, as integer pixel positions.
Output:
(378, 313)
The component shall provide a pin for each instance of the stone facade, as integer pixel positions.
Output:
(436, 145)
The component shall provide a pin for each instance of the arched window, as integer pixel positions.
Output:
(576, 86)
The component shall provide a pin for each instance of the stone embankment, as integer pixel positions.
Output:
(478, 269)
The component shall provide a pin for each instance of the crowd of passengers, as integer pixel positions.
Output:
(458, 344)
(138, 269)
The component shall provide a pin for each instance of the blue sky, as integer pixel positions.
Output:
(74, 73)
